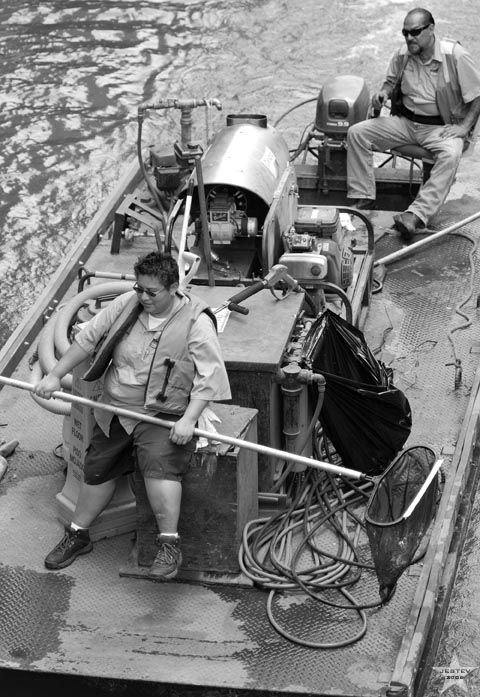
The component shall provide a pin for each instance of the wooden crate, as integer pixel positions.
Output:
(220, 495)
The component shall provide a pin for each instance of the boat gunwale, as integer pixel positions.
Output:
(25, 333)
(442, 558)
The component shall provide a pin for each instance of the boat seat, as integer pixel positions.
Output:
(415, 155)
(413, 151)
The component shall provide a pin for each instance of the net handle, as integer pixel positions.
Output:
(420, 493)
(220, 437)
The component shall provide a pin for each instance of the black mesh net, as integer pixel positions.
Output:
(395, 521)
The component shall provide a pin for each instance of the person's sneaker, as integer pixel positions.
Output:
(168, 559)
(72, 544)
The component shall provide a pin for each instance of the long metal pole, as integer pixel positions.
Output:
(256, 447)
(421, 243)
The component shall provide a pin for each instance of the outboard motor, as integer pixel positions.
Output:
(343, 101)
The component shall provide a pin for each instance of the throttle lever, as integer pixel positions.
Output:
(277, 273)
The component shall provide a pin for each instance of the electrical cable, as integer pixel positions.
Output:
(153, 191)
(297, 106)
(457, 363)
(303, 146)
(274, 551)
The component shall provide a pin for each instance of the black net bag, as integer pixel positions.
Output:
(333, 345)
(366, 418)
(367, 424)
(399, 513)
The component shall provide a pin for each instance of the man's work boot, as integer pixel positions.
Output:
(168, 559)
(407, 224)
(362, 204)
(72, 544)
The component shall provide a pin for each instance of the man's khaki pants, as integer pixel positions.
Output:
(385, 132)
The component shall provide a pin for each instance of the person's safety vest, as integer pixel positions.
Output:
(451, 106)
(172, 369)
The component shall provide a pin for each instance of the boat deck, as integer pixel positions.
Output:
(87, 627)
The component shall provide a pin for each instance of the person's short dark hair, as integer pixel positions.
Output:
(159, 264)
(427, 16)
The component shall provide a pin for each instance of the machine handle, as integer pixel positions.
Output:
(246, 292)
(238, 308)
(277, 273)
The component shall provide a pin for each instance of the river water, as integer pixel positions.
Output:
(74, 71)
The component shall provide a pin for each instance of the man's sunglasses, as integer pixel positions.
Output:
(151, 293)
(414, 32)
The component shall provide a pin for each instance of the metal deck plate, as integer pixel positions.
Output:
(87, 621)
(408, 326)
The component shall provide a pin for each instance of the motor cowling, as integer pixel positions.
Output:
(246, 155)
(343, 100)
(242, 168)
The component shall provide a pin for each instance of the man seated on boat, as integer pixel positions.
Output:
(437, 106)
(162, 357)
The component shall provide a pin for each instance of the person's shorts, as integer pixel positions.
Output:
(109, 457)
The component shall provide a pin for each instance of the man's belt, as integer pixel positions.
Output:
(418, 118)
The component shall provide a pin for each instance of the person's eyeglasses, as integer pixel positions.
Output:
(151, 293)
(414, 32)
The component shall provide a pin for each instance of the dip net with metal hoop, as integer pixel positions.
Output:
(400, 512)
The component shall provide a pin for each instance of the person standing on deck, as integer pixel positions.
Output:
(438, 107)
(162, 357)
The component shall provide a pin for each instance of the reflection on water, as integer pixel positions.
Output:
(74, 71)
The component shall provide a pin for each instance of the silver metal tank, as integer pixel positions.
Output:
(246, 154)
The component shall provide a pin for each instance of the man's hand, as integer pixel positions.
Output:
(453, 130)
(379, 99)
